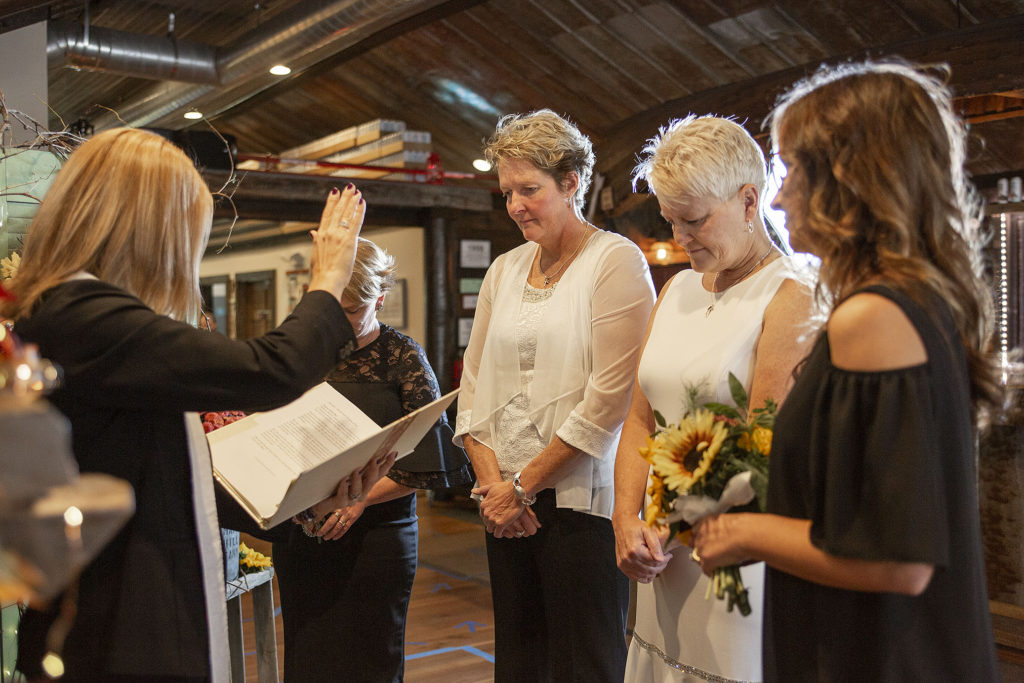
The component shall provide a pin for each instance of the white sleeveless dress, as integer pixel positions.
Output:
(680, 636)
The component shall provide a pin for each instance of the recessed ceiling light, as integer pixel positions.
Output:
(482, 165)
(280, 70)
(193, 114)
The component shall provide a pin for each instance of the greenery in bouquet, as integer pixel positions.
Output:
(714, 459)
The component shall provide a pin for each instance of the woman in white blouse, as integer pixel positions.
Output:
(546, 385)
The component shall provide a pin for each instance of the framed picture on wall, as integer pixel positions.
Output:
(393, 312)
(470, 285)
(474, 253)
(298, 284)
(465, 327)
(469, 301)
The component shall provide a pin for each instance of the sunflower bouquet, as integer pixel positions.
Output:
(714, 459)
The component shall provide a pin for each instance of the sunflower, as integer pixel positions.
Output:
(656, 491)
(683, 453)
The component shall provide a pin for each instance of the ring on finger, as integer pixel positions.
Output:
(695, 556)
(520, 533)
(343, 223)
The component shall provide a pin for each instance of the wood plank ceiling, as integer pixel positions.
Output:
(617, 67)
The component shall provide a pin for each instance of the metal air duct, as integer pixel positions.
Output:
(129, 54)
(299, 37)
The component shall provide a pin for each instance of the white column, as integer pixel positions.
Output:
(23, 75)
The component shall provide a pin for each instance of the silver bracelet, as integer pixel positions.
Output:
(520, 492)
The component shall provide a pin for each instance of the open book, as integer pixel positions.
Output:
(278, 463)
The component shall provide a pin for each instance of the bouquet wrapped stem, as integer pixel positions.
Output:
(727, 583)
(713, 460)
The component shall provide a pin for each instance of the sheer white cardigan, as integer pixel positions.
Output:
(588, 346)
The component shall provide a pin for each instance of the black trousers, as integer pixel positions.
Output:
(559, 600)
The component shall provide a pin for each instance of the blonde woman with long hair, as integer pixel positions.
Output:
(108, 288)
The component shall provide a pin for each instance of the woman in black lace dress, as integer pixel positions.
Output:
(345, 590)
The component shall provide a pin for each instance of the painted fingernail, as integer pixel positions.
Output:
(360, 200)
(334, 191)
(349, 186)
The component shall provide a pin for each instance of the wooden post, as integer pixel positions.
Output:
(235, 642)
(439, 316)
(266, 635)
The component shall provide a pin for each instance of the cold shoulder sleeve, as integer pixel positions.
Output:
(877, 473)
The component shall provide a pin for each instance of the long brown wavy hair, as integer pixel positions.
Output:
(887, 199)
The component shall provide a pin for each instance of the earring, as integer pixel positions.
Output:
(750, 226)
(380, 305)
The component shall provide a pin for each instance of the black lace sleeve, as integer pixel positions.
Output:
(435, 463)
(416, 380)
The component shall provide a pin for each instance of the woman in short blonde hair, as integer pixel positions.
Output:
(739, 311)
(108, 289)
(545, 385)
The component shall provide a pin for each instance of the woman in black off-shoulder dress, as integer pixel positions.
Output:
(873, 537)
(345, 593)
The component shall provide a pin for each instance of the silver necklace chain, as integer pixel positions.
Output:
(548, 278)
(714, 283)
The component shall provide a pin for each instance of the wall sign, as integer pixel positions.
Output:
(474, 253)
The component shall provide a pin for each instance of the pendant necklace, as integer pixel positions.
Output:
(548, 278)
(714, 283)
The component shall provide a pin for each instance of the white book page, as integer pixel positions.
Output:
(262, 454)
(402, 435)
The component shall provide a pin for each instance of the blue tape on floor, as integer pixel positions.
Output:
(444, 650)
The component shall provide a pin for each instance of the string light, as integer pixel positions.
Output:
(1004, 296)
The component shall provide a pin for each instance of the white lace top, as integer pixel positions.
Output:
(517, 438)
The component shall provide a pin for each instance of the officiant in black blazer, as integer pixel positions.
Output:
(108, 288)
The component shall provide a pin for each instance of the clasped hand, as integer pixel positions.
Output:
(639, 549)
(333, 516)
(715, 542)
(504, 515)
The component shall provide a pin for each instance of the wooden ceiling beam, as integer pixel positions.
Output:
(985, 59)
(289, 196)
(995, 116)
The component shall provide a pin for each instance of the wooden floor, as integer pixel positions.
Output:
(450, 630)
